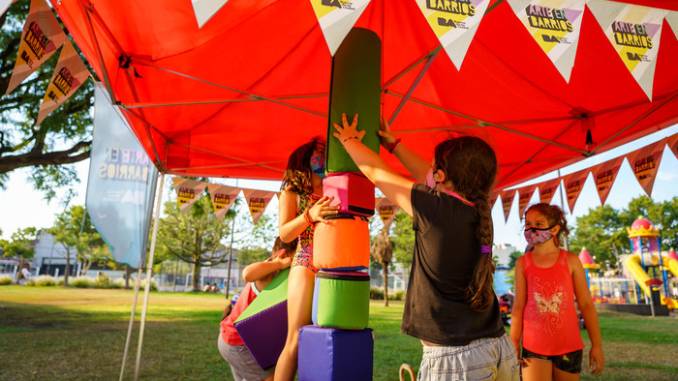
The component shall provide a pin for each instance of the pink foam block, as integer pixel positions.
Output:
(352, 192)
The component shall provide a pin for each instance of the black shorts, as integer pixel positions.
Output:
(569, 362)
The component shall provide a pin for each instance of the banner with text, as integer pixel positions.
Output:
(188, 191)
(604, 175)
(336, 18)
(454, 22)
(555, 26)
(574, 183)
(69, 74)
(257, 200)
(41, 37)
(645, 163)
(387, 210)
(222, 198)
(121, 184)
(634, 32)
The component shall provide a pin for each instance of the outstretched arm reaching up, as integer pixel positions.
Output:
(394, 186)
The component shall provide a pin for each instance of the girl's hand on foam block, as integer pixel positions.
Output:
(347, 131)
(322, 209)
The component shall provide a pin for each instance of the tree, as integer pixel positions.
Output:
(382, 251)
(250, 255)
(664, 215)
(194, 236)
(73, 229)
(513, 258)
(22, 143)
(403, 239)
(20, 245)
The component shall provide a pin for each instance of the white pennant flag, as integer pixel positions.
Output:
(205, 9)
(336, 18)
(554, 25)
(672, 19)
(454, 22)
(634, 32)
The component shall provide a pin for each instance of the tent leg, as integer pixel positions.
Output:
(131, 324)
(149, 273)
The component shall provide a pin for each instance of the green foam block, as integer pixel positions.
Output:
(355, 88)
(274, 293)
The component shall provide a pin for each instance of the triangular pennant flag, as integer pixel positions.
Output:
(672, 142)
(454, 22)
(645, 163)
(524, 197)
(554, 25)
(507, 202)
(69, 74)
(257, 200)
(387, 210)
(634, 32)
(336, 18)
(205, 9)
(604, 175)
(493, 198)
(4, 5)
(547, 190)
(222, 197)
(188, 192)
(574, 183)
(672, 19)
(41, 37)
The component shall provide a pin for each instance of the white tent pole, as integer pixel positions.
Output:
(149, 273)
(131, 324)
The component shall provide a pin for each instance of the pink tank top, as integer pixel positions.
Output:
(550, 323)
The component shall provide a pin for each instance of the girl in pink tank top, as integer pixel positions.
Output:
(544, 318)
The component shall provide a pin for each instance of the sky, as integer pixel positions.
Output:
(21, 206)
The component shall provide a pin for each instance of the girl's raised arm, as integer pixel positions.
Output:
(518, 305)
(588, 310)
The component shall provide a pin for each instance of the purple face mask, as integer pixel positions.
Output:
(535, 236)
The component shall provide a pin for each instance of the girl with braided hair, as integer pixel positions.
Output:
(450, 304)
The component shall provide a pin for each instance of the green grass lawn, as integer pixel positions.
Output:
(78, 334)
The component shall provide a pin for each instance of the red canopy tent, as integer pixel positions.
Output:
(234, 97)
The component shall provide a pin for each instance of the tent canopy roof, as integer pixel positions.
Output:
(235, 97)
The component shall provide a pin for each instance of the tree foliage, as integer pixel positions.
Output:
(194, 236)
(603, 229)
(403, 239)
(63, 138)
(21, 244)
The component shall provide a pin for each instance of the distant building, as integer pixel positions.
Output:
(50, 257)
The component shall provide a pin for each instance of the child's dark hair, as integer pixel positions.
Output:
(289, 247)
(297, 176)
(554, 216)
(471, 165)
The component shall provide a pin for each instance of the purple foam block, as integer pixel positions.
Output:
(327, 354)
(352, 192)
(265, 333)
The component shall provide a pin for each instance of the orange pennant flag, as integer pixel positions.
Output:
(524, 197)
(574, 183)
(222, 197)
(604, 175)
(41, 38)
(188, 192)
(257, 200)
(387, 210)
(507, 202)
(645, 163)
(70, 73)
(672, 142)
(547, 190)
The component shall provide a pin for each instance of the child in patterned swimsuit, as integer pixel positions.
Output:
(548, 280)
(300, 208)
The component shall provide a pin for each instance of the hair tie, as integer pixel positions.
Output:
(485, 249)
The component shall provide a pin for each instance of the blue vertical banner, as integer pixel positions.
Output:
(121, 183)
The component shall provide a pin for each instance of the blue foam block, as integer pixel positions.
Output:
(327, 354)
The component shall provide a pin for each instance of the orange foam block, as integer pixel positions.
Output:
(342, 243)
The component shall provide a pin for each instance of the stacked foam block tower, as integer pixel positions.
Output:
(339, 346)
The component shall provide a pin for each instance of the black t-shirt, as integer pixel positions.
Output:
(446, 251)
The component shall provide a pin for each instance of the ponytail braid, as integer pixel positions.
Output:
(480, 291)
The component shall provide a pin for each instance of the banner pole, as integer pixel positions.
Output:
(562, 206)
(230, 253)
(131, 323)
(149, 273)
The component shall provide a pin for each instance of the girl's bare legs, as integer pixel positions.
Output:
(299, 304)
(537, 370)
(559, 375)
